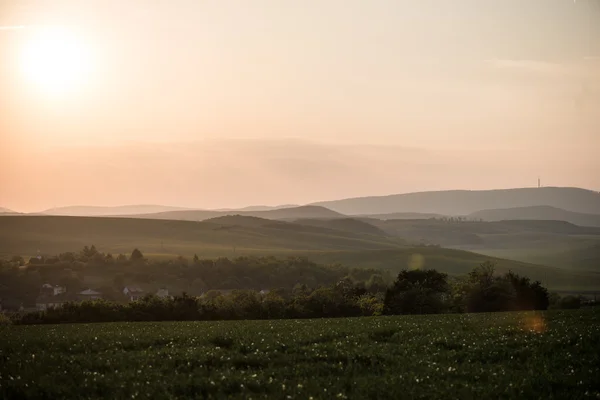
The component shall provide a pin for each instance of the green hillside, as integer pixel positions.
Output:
(460, 262)
(505, 235)
(538, 213)
(52, 234)
(585, 256)
(236, 235)
(344, 224)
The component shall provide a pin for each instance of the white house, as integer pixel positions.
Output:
(133, 293)
(59, 290)
(49, 290)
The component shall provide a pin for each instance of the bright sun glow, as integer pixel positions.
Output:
(55, 61)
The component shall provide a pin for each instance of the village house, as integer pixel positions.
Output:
(48, 289)
(51, 297)
(133, 293)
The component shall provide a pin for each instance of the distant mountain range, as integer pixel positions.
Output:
(259, 208)
(403, 215)
(6, 211)
(96, 211)
(578, 206)
(537, 213)
(279, 214)
(465, 202)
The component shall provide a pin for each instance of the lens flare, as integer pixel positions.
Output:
(534, 323)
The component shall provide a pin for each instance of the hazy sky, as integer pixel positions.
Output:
(228, 103)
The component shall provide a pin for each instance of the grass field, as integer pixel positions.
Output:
(583, 257)
(26, 235)
(517, 355)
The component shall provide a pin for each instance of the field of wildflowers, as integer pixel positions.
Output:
(553, 354)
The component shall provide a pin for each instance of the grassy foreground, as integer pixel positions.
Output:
(516, 355)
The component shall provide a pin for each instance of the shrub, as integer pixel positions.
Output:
(4, 320)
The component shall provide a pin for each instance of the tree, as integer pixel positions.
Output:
(182, 261)
(18, 260)
(136, 256)
(486, 292)
(98, 258)
(273, 305)
(119, 281)
(370, 304)
(529, 295)
(376, 284)
(570, 302)
(416, 292)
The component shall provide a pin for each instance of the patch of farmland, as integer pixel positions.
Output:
(517, 355)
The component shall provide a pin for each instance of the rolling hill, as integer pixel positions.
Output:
(278, 214)
(344, 224)
(475, 235)
(219, 237)
(537, 213)
(404, 215)
(459, 262)
(464, 202)
(6, 211)
(584, 255)
(90, 211)
(229, 236)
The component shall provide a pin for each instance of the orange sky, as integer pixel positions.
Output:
(229, 103)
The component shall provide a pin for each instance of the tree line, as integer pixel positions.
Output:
(21, 279)
(412, 292)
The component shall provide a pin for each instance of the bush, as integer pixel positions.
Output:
(4, 320)
(570, 303)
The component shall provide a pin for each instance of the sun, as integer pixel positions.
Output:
(55, 61)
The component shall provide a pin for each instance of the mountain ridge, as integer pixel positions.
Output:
(105, 211)
(308, 211)
(464, 202)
